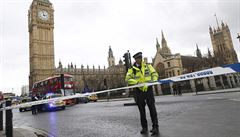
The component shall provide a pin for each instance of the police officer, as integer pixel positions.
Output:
(143, 73)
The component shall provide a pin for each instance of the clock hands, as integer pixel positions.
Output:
(43, 15)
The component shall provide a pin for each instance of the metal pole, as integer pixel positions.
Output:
(1, 118)
(9, 116)
(238, 37)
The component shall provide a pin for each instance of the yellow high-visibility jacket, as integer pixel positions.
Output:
(146, 74)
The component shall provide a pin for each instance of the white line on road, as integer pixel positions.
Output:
(235, 99)
(214, 98)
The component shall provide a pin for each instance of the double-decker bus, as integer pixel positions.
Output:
(55, 85)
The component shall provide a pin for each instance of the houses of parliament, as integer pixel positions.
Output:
(42, 59)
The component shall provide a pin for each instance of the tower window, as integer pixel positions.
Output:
(168, 64)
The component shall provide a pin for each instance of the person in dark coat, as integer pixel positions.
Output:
(174, 89)
(34, 107)
(179, 88)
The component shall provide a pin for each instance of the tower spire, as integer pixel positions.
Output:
(157, 41)
(110, 52)
(198, 52)
(216, 19)
(209, 53)
(163, 40)
(157, 44)
(165, 50)
(162, 34)
(111, 59)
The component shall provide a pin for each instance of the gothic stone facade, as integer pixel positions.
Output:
(41, 43)
(222, 45)
(41, 54)
(42, 63)
(169, 65)
(166, 63)
(96, 78)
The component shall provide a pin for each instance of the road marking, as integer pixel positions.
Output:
(214, 97)
(235, 99)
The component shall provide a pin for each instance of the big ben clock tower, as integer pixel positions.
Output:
(41, 43)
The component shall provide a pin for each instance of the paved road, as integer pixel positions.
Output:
(214, 115)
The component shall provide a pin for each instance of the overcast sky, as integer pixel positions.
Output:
(84, 29)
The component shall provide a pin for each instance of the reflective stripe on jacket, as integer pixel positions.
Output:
(146, 74)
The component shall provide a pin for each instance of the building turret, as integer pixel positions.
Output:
(120, 62)
(222, 45)
(157, 45)
(111, 59)
(209, 53)
(198, 52)
(60, 64)
(46, 1)
(165, 48)
(210, 29)
(223, 25)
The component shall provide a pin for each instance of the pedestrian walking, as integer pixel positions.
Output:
(34, 107)
(174, 89)
(179, 89)
(142, 73)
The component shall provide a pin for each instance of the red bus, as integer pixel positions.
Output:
(53, 85)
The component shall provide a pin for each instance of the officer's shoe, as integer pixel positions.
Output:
(144, 131)
(154, 131)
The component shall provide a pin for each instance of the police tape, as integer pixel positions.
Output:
(227, 69)
(45, 101)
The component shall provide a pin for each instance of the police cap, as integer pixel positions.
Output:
(137, 55)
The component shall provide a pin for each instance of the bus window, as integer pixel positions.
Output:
(68, 79)
(55, 80)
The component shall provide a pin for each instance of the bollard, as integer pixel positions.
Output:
(8, 123)
(1, 118)
(108, 96)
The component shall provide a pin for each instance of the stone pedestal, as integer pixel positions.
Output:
(238, 79)
(159, 88)
(171, 87)
(205, 84)
(229, 81)
(127, 92)
(193, 86)
(212, 82)
(232, 80)
(221, 81)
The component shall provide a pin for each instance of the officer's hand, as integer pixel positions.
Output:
(152, 81)
(140, 81)
(145, 88)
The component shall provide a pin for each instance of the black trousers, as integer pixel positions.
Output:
(34, 109)
(144, 98)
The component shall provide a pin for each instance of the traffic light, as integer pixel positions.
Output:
(127, 60)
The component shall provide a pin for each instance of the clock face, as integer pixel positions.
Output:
(43, 15)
